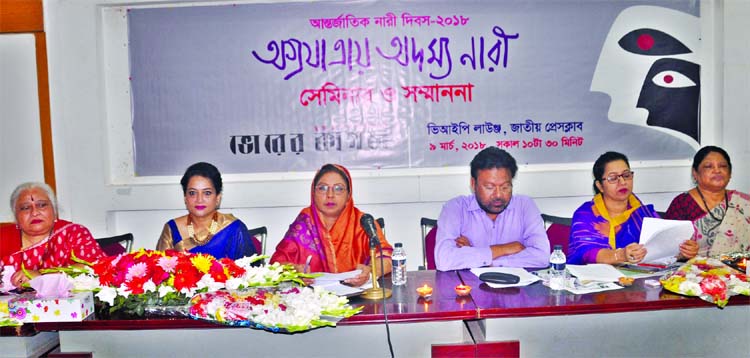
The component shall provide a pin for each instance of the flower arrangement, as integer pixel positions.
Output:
(241, 292)
(291, 310)
(709, 279)
(132, 282)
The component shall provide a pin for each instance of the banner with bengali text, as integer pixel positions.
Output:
(411, 84)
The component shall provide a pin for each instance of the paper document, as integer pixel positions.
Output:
(663, 237)
(332, 282)
(595, 272)
(525, 277)
(636, 271)
(579, 288)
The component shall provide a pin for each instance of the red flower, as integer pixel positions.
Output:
(135, 286)
(217, 272)
(158, 275)
(714, 286)
(106, 271)
(234, 270)
(185, 276)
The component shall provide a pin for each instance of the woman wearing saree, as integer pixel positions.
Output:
(607, 229)
(329, 231)
(204, 230)
(721, 217)
(39, 240)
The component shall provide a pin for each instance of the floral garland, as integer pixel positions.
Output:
(709, 279)
(291, 310)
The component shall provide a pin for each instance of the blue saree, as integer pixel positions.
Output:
(233, 241)
(589, 232)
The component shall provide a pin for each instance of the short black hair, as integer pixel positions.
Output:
(203, 169)
(602, 162)
(705, 151)
(491, 158)
(330, 168)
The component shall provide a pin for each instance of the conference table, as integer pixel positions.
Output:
(530, 321)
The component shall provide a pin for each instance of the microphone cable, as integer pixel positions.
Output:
(385, 309)
(368, 224)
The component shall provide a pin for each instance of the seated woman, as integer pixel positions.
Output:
(721, 217)
(607, 228)
(40, 240)
(329, 231)
(205, 230)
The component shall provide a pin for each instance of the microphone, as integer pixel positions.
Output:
(376, 292)
(368, 224)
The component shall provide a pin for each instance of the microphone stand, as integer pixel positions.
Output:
(376, 292)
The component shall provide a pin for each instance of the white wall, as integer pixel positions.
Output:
(20, 136)
(88, 107)
(736, 99)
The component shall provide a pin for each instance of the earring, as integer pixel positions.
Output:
(18, 227)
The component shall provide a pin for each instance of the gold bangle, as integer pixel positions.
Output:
(616, 250)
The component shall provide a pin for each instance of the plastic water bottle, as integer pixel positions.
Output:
(557, 272)
(398, 262)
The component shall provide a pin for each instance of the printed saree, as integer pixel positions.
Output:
(67, 239)
(725, 230)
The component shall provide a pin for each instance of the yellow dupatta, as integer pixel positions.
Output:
(619, 219)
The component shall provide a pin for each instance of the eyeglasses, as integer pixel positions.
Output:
(613, 178)
(338, 189)
(39, 204)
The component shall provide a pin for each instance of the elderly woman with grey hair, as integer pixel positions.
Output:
(38, 239)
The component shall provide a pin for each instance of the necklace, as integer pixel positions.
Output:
(726, 204)
(29, 242)
(211, 229)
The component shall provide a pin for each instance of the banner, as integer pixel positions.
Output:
(405, 84)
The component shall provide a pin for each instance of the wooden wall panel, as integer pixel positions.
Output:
(21, 16)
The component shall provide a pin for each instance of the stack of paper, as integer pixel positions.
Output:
(332, 282)
(662, 238)
(593, 278)
(595, 272)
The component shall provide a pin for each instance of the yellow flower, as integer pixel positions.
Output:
(140, 253)
(719, 271)
(673, 283)
(202, 262)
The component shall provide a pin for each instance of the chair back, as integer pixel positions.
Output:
(115, 245)
(558, 231)
(429, 232)
(258, 235)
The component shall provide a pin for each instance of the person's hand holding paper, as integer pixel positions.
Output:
(663, 239)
